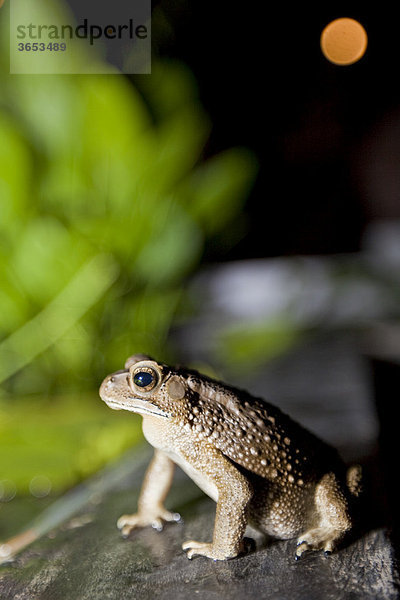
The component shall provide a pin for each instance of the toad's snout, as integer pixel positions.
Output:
(105, 387)
(113, 385)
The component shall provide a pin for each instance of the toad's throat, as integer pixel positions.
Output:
(137, 406)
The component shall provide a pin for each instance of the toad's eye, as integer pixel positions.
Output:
(145, 379)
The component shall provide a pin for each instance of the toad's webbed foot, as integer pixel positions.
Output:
(315, 539)
(155, 517)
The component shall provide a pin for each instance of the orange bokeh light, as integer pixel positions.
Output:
(344, 41)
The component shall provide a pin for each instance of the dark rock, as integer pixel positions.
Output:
(85, 558)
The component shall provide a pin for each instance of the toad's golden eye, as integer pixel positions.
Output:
(145, 379)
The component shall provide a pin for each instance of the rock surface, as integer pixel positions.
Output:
(87, 559)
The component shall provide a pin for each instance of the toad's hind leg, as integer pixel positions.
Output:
(331, 520)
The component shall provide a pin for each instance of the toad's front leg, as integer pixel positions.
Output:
(155, 487)
(233, 493)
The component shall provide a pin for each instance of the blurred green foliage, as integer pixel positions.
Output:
(247, 347)
(106, 206)
(59, 441)
(101, 199)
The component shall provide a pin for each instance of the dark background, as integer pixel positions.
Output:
(266, 85)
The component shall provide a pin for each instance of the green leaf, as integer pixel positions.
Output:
(178, 145)
(248, 347)
(170, 88)
(216, 190)
(63, 439)
(15, 178)
(46, 257)
(35, 336)
(171, 252)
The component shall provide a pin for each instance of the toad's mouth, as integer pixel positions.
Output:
(137, 406)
